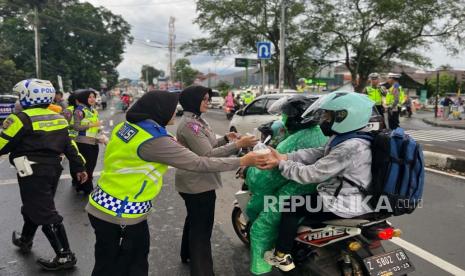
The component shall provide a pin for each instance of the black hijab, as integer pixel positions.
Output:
(192, 96)
(82, 95)
(156, 105)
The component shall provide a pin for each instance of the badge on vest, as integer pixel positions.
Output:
(126, 132)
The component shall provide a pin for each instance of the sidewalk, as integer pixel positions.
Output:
(458, 124)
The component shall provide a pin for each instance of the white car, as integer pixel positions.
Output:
(255, 114)
(216, 101)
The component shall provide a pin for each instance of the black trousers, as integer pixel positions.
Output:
(393, 118)
(196, 245)
(120, 251)
(290, 222)
(37, 195)
(380, 109)
(90, 153)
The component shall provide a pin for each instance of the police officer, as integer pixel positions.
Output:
(136, 158)
(248, 97)
(302, 86)
(394, 99)
(87, 125)
(376, 92)
(35, 138)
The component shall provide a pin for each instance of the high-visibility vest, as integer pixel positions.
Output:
(90, 116)
(390, 96)
(127, 183)
(72, 132)
(374, 93)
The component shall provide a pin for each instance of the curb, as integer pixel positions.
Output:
(441, 125)
(444, 161)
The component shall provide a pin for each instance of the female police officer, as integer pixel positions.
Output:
(138, 154)
(35, 138)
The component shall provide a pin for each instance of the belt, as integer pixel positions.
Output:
(120, 206)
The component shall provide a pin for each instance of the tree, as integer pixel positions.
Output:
(447, 84)
(184, 72)
(148, 73)
(224, 87)
(371, 33)
(82, 51)
(236, 26)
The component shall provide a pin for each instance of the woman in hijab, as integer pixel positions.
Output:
(198, 189)
(138, 154)
(87, 125)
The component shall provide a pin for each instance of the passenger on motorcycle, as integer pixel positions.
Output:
(350, 161)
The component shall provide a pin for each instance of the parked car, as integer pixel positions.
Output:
(216, 101)
(7, 105)
(256, 113)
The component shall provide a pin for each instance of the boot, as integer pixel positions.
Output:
(24, 239)
(64, 258)
(24, 244)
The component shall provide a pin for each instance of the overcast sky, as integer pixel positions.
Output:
(149, 20)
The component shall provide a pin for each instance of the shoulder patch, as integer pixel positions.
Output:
(194, 127)
(7, 122)
(126, 132)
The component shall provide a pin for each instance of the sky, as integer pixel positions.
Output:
(149, 20)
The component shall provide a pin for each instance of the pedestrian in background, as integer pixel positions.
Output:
(197, 188)
(447, 103)
(58, 100)
(104, 98)
(87, 124)
(35, 139)
(136, 158)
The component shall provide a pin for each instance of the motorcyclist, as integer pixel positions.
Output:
(289, 134)
(342, 171)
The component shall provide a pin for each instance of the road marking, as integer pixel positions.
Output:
(110, 123)
(437, 135)
(446, 266)
(428, 145)
(445, 173)
(461, 150)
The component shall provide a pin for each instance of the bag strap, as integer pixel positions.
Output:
(352, 183)
(350, 135)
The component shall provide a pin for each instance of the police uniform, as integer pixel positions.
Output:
(136, 158)
(376, 94)
(87, 141)
(394, 100)
(38, 136)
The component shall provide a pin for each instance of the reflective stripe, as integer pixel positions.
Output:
(119, 206)
(3, 142)
(45, 117)
(74, 145)
(50, 125)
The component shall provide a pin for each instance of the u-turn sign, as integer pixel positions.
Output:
(264, 50)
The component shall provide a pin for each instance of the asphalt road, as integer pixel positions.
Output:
(436, 228)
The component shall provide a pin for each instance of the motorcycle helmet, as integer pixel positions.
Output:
(34, 92)
(291, 108)
(340, 112)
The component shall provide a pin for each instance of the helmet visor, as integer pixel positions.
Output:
(277, 107)
(314, 112)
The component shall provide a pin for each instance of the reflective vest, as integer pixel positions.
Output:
(374, 93)
(127, 183)
(248, 98)
(72, 132)
(390, 96)
(90, 116)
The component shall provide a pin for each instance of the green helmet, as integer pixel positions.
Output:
(351, 111)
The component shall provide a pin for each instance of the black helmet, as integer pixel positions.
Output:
(292, 108)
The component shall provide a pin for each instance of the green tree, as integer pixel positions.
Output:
(148, 73)
(184, 72)
(81, 51)
(224, 87)
(447, 84)
(371, 33)
(236, 26)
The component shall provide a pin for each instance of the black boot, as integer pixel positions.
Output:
(64, 258)
(24, 239)
(24, 243)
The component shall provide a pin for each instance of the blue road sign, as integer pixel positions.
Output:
(264, 50)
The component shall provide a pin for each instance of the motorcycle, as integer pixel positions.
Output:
(349, 247)
(230, 111)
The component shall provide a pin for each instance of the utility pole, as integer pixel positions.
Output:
(282, 46)
(171, 46)
(437, 95)
(37, 42)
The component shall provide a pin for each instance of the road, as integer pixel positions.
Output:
(436, 228)
(436, 139)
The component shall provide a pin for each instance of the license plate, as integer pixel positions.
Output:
(393, 263)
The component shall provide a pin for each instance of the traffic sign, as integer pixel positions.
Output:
(264, 50)
(245, 62)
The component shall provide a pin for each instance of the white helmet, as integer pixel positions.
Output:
(34, 92)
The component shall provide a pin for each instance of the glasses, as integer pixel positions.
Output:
(206, 99)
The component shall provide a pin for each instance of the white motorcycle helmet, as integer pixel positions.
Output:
(33, 92)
